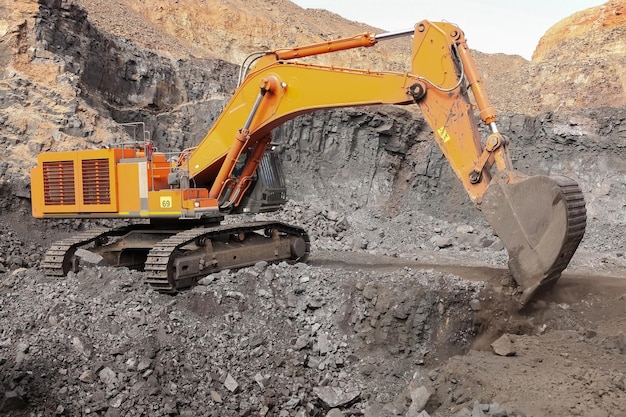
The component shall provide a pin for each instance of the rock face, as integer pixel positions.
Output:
(585, 55)
(400, 169)
(128, 83)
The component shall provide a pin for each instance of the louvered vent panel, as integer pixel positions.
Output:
(270, 170)
(58, 183)
(96, 181)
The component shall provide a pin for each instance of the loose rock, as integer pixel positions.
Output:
(504, 346)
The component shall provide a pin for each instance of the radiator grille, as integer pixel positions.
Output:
(96, 181)
(58, 183)
(270, 171)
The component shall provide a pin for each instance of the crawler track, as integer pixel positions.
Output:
(205, 249)
(162, 276)
(57, 261)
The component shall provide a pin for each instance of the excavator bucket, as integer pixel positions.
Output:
(541, 220)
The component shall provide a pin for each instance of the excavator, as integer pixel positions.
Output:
(186, 197)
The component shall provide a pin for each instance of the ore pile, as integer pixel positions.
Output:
(266, 340)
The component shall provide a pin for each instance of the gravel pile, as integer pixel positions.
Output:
(284, 340)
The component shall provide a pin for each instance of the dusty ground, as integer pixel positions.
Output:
(569, 344)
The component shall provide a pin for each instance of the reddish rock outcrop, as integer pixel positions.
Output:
(581, 61)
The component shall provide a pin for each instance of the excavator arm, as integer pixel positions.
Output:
(541, 220)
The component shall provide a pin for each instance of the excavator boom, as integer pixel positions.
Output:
(277, 86)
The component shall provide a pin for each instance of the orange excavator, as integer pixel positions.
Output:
(540, 219)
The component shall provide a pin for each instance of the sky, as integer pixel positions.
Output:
(490, 26)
